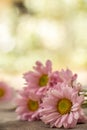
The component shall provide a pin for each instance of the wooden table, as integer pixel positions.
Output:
(8, 121)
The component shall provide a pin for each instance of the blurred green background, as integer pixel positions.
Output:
(33, 30)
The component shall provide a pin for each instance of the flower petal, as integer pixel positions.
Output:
(70, 118)
(76, 115)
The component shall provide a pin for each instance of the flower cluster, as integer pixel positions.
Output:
(51, 96)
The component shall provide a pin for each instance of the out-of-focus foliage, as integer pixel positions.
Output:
(33, 30)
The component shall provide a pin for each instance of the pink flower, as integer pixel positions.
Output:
(66, 77)
(61, 107)
(38, 80)
(69, 78)
(5, 92)
(28, 105)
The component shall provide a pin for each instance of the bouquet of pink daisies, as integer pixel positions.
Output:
(51, 96)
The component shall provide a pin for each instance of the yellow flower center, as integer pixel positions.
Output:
(32, 105)
(43, 80)
(2, 92)
(64, 106)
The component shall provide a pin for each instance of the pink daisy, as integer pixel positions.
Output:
(68, 77)
(38, 80)
(65, 76)
(6, 92)
(61, 107)
(27, 105)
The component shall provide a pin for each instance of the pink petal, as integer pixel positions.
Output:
(64, 118)
(21, 110)
(65, 125)
(70, 118)
(60, 124)
(75, 107)
(57, 122)
(73, 124)
(49, 65)
(76, 115)
(56, 93)
(48, 118)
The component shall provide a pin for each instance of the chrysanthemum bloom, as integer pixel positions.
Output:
(5, 92)
(28, 106)
(38, 80)
(65, 76)
(62, 107)
(69, 78)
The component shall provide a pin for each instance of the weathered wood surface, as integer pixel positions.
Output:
(8, 121)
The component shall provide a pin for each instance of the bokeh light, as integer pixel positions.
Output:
(33, 30)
